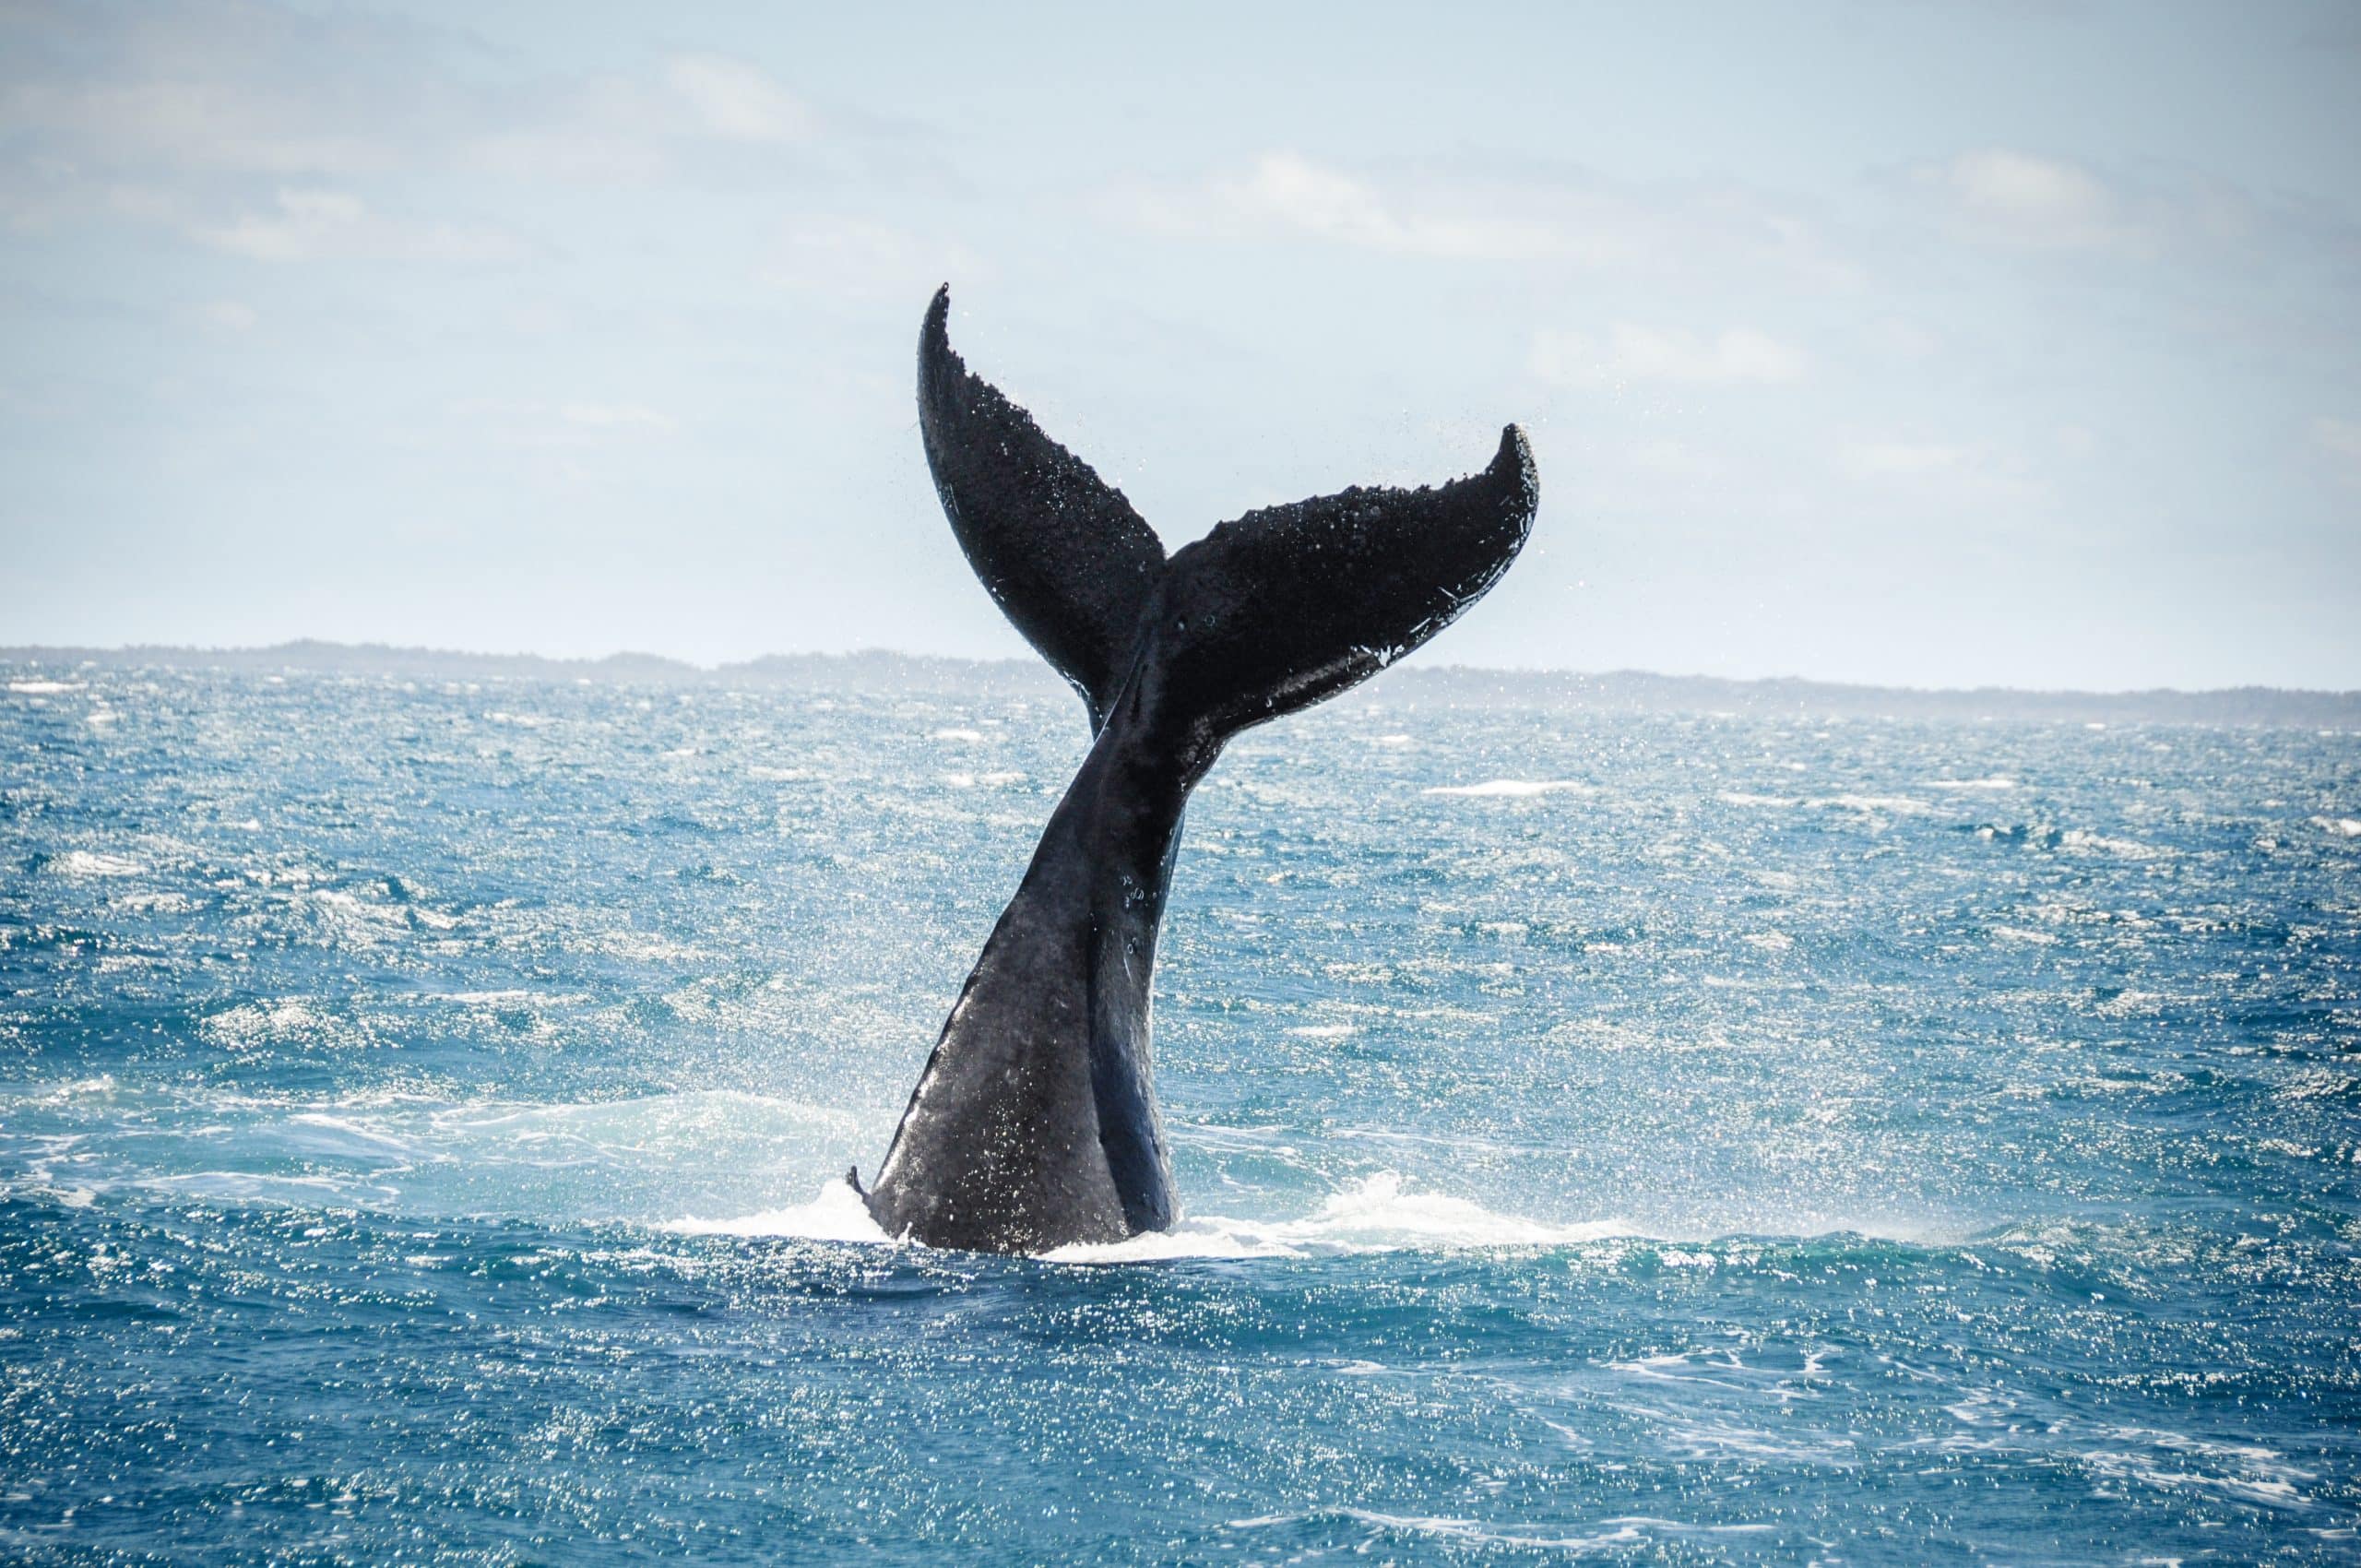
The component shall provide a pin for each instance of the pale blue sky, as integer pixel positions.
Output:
(2009, 344)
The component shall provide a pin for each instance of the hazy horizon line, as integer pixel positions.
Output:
(90, 653)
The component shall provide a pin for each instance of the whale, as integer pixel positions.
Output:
(1033, 1124)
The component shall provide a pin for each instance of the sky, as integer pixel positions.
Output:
(1907, 344)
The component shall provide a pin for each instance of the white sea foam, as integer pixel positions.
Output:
(83, 862)
(45, 688)
(2173, 1461)
(2339, 826)
(1627, 1530)
(1971, 783)
(1740, 798)
(1517, 789)
(2075, 840)
(1873, 803)
(964, 735)
(836, 1215)
(1374, 1215)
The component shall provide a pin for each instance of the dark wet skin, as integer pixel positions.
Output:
(1034, 1124)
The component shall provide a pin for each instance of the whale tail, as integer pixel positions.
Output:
(1033, 1121)
(1264, 615)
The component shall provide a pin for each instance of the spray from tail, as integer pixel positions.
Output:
(1034, 1124)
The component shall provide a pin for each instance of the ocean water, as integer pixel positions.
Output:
(423, 1109)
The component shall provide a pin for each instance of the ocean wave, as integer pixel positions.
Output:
(2339, 826)
(837, 1213)
(88, 863)
(2076, 841)
(1874, 804)
(1373, 1215)
(1970, 783)
(1616, 1533)
(1517, 789)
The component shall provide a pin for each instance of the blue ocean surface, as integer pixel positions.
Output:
(423, 1110)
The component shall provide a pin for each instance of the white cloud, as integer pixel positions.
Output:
(1488, 212)
(2041, 204)
(733, 100)
(323, 225)
(195, 122)
(1295, 194)
(1630, 352)
(185, 116)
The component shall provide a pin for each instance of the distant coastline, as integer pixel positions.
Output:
(1618, 690)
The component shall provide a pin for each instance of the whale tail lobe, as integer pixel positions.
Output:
(1264, 615)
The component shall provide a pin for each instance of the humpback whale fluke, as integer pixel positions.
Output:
(1033, 1124)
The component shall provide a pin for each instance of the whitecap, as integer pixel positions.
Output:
(967, 736)
(837, 1213)
(45, 688)
(1630, 1530)
(1372, 1214)
(1515, 789)
(1873, 803)
(2339, 826)
(1971, 783)
(2078, 841)
(83, 862)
